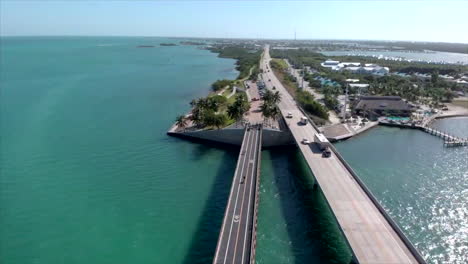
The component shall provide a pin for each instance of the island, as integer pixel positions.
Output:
(167, 44)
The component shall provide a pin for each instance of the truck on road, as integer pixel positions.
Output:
(321, 141)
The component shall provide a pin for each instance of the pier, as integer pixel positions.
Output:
(369, 231)
(237, 238)
(449, 140)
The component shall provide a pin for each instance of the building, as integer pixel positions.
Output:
(333, 65)
(360, 87)
(375, 70)
(356, 67)
(374, 106)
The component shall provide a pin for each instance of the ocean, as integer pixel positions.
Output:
(88, 174)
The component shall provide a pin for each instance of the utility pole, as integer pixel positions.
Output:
(345, 101)
(303, 75)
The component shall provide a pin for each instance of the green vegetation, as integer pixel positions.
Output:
(279, 67)
(307, 101)
(431, 91)
(247, 58)
(269, 107)
(168, 44)
(220, 84)
(331, 102)
(217, 111)
(305, 57)
(240, 106)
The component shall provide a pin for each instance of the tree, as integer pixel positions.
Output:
(220, 84)
(181, 122)
(237, 110)
(276, 98)
(435, 77)
(331, 102)
(219, 120)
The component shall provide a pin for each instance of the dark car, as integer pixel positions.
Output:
(326, 153)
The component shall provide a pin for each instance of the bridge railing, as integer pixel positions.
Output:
(371, 196)
(257, 200)
(374, 200)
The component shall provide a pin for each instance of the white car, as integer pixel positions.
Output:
(289, 115)
(305, 141)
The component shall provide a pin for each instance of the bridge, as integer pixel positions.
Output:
(369, 231)
(236, 242)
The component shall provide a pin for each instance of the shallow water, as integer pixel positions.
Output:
(88, 174)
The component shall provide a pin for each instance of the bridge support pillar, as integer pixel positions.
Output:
(354, 260)
(315, 185)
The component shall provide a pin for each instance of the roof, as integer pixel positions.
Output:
(382, 103)
(359, 85)
(321, 137)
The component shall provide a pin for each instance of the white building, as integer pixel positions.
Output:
(356, 67)
(376, 70)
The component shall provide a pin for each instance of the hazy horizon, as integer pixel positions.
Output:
(412, 21)
(207, 38)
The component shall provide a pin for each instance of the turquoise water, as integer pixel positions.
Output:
(397, 118)
(422, 184)
(88, 174)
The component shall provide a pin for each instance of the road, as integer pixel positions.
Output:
(368, 233)
(333, 117)
(235, 239)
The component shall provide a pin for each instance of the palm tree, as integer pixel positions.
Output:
(274, 112)
(181, 122)
(276, 98)
(267, 96)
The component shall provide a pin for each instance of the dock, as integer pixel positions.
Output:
(449, 140)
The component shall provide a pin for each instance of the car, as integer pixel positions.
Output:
(274, 88)
(269, 80)
(305, 141)
(289, 115)
(326, 153)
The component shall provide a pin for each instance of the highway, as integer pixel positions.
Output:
(237, 231)
(368, 233)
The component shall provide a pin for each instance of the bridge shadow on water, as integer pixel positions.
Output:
(312, 229)
(203, 245)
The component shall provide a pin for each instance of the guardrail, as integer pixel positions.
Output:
(374, 200)
(253, 244)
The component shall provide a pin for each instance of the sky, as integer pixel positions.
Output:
(440, 21)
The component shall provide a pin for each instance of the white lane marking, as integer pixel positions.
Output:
(242, 205)
(250, 197)
(234, 185)
(237, 197)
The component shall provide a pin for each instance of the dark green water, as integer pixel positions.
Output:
(88, 174)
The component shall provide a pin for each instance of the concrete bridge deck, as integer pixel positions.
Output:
(370, 232)
(236, 242)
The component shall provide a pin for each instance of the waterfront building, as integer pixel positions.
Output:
(375, 106)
